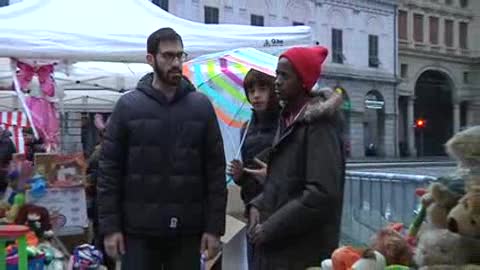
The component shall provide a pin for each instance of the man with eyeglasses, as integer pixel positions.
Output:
(161, 186)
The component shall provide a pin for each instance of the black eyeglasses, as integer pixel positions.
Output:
(170, 56)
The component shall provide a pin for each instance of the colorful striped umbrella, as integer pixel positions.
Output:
(220, 76)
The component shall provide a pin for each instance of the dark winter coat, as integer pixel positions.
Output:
(301, 204)
(162, 167)
(260, 134)
(7, 149)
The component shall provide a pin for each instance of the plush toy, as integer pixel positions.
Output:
(393, 246)
(36, 218)
(18, 202)
(438, 202)
(465, 148)
(465, 217)
(342, 258)
(371, 260)
(4, 207)
(441, 247)
(417, 223)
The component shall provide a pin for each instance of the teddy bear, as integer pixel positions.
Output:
(465, 148)
(438, 202)
(464, 218)
(439, 248)
(443, 194)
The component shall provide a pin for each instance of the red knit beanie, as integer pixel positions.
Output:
(307, 62)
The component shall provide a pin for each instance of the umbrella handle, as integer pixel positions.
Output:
(237, 155)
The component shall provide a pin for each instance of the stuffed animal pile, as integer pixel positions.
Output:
(446, 233)
(450, 236)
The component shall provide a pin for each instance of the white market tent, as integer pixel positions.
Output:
(117, 30)
(74, 31)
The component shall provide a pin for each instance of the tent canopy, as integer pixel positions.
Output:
(117, 30)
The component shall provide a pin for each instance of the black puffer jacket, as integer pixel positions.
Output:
(162, 167)
(259, 137)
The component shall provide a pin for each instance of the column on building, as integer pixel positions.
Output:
(356, 134)
(389, 140)
(470, 121)
(456, 117)
(410, 128)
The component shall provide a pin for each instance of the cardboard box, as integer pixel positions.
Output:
(62, 170)
(234, 251)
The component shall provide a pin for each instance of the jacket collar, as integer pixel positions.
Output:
(316, 109)
(145, 86)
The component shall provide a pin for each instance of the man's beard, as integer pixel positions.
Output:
(164, 77)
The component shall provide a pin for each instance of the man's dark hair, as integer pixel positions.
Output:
(162, 34)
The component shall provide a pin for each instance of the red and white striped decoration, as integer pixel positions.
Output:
(15, 122)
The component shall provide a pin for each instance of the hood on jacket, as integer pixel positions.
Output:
(325, 103)
(145, 85)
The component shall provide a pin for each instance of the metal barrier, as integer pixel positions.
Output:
(372, 200)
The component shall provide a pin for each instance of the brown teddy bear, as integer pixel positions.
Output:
(443, 248)
(438, 202)
(465, 148)
(465, 217)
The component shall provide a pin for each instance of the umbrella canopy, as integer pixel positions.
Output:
(220, 77)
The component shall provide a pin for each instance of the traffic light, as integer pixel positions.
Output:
(420, 123)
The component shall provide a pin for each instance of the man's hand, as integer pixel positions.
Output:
(258, 235)
(114, 245)
(253, 220)
(210, 245)
(258, 174)
(235, 169)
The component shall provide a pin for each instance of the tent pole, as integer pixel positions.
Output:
(21, 97)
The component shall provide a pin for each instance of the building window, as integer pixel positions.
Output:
(466, 80)
(256, 20)
(449, 33)
(337, 46)
(4, 3)
(463, 35)
(211, 15)
(373, 60)
(434, 30)
(402, 24)
(298, 23)
(163, 4)
(448, 2)
(418, 27)
(464, 3)
(403, 70)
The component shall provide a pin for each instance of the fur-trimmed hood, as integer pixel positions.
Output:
(325, 103)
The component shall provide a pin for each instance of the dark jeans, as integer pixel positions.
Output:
(182, 253)
(250, 255)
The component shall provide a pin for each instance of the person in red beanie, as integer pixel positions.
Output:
(295, 221)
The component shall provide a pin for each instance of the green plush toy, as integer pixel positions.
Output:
(18, 202)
